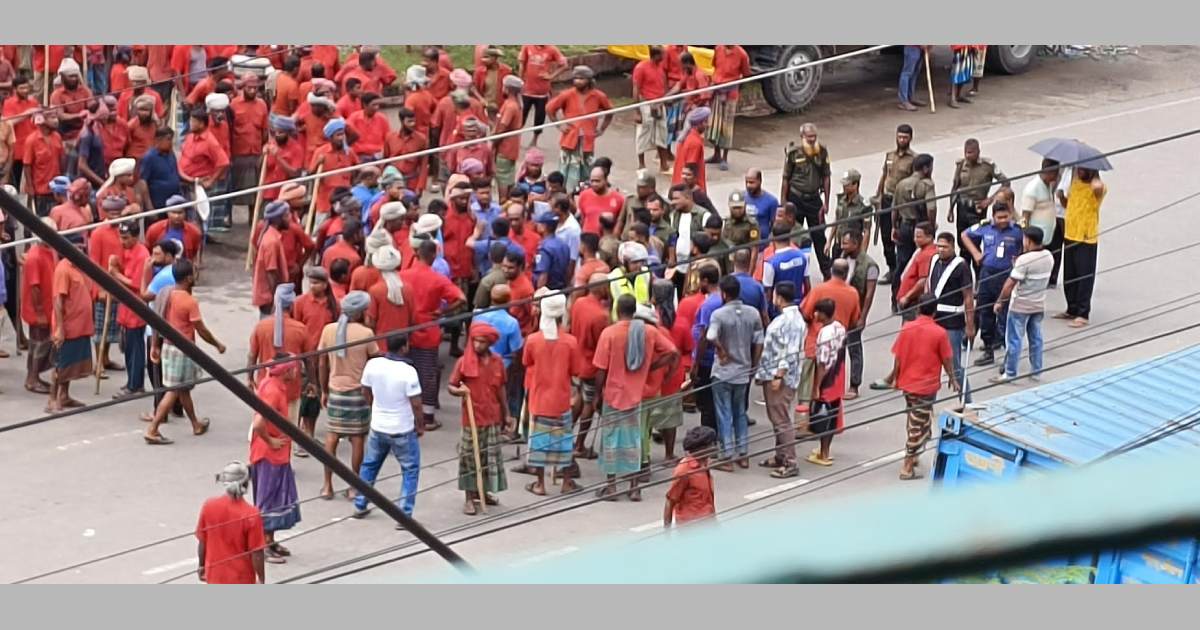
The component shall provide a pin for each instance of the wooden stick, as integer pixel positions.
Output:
(46, 77)
(311, 219)
(173, 115)
(84, 69)
(929, 83)
(258, 199)
(103, 341)
(18, 262)
(475, 451)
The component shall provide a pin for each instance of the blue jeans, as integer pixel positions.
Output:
(1029, 324)
(957, 336)
(98, 77)
(135, 358)
(908, 73)
(732, 421)
(407, 451)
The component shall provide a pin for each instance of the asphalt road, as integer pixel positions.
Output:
(86, 486)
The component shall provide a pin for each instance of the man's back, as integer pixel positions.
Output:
(230, 529)
(737, 327)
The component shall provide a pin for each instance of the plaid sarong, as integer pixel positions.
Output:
(620, 441)
(177, 367)
(551, 441)
(576, 166)
(919, 421)
(114, 331)
(425, 361)
(349, 413)
(674, 118)
(659, 414)
(491, 458)
(720, 125)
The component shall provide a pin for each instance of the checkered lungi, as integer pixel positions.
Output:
(620, 440)
(720, 125)
(177, 367)
(114, 330)
(551, 441)
(491, 458)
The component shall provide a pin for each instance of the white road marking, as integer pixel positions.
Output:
(89, 442)
(89, 532)
(646, 527)
(783, 487)
(547, 555)
(190, 562)
(893, 457)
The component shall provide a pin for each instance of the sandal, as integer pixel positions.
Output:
(530, 488)
(1062, 315)
(469, 508)
(204, 424)
(817, 452)
(72, 404)
(605, 495)
(157, 440)
(635, 495)
(273, 556)
(572, 488)
(37, 389)
(299, 452)
(490, 499)
(726, 467)
(850, 394)
(910, 476)
(326, 496)
(818, 460)
(281, 550)
(770, 462)
(786, 472)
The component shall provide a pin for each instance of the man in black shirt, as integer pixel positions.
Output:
(950, 282)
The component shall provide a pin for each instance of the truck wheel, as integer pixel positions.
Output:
(793, 91)
(1010, 59)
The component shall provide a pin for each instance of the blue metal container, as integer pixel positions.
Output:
(1073, 423)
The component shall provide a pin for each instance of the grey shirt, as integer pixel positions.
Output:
(1032, 273)
(738, 328)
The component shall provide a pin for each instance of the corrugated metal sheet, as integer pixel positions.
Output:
(1079, 420)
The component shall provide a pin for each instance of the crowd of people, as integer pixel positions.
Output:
(573, 315)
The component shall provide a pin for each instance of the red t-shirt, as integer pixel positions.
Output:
(921, 348)
(182, 313)
(270, 258)
(685, 317)
(348, 106)
(191, 236)
(314, 313)
(521, 288)
(333, 159)
(141, 138)
(113, 138)
(287, 95)
(656, 379)
(413, 169)
(221, 132)
(372, 131)
(341, 250)
(650, 79)
(623, 388)
(672, 65)
(249, 126)
(385, 316)
(572, 103)
(682, 338)
(293, 153)
(549, 367)
(103, 243)
(529, 240)
(690, 151)
(272, 391)
(457, 228)
(125, 103)
(43, 158)
(535, 61)
(23, 128)
(429, 290)
(691, 491)
(730, 63)
(917, 269)
(76, 293)
(295, 341)
(38, 272)
(485, 388)
(422, 103)
(439, 84)
(589, 318)
(592, 205)
(509, 119)
(230, 529)
(133, 261)
(68, 216)
(201, 155)
(363, 278)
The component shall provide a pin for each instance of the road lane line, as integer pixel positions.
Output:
(783, 487)
(190, 562)
(546, 555)
(646, 527)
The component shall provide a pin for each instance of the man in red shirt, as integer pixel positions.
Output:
(730, 63)
(489, 78)
(458, 226)
(285, 155)
(347, 247)
(419, 99)
(75, 211)
(430, 290)
(331, 156)
(142, 127)
(104, 247)
(479, 377)
(42, 161)
(507, 150)
(281, 333)
(373, 72)
(270, 262)
(37, 306)
(230, 533)
(18, 110)
(589, 318)
(287, 88)
(312, 120)
(438, 77)
(369, 128)
(410, 138)
(70, 100)
(916, 274)
(552, 359)
(391, 299)
(922, 351)
(250, 123)
(139, 81)
(649, 83)
(691, 149)
(538, 64)
(349, 102)
(176, 226)
(73, 327)
(599, 198)
(127, 269)
(578, 140)
(626, 353)
(472, 129)
(202, 161)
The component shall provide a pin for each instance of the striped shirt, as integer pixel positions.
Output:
(782, 346)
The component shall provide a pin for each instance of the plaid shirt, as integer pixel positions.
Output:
(782, 348)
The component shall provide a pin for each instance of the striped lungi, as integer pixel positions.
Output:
(620, 440)
(720, 125)
(275, 495)
(425, 361)
(491, 458)
(980, 54)
(551, 441)
(114, 330)
(177, 367)
(349, 413)
(674, 116)
(919, 422)
(576, 166)
(963, 67)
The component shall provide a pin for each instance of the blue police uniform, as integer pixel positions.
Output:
(553, 259)
(1000, 248)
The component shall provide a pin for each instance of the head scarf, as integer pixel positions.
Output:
(390, 176)
(533, 157)
(249, 79)
(39, 117)
(285, 296)
(470, 358)
(275, 209)
(80, 185)
(631, 251)
(101, 112)
(349, 205)
(460, 78)
(474, 124)
(583, 72)
(148, 101)
(114, 203)
(698, 115)
(663, 293)
(138, 74)
(378, 239)
(354, 303)
(460, 97)
(291, 192)
(427, 224)
(391, 211)
(315, 99)
(416, 75)
(235, 479)
(317, 273)
(387, 259)
(471, 166)
(513, 82)
(553, 308)
(334, 126)
(216, 102)
(175, 200)
(282, 123)
(59, 185)
(122, 166)
(68, 67)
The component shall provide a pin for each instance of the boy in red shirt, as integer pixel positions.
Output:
(230, 532)
(922, 349)
(480, 377)
(370, 129)
(690, 497)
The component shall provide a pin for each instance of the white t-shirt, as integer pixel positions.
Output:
(392, 384)
(1038, 200)
(1031, 270)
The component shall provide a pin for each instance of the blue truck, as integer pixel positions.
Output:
(1075, 422)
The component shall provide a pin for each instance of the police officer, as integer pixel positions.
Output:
(853, 214)
(969, 200)
(1001, 243)
(739, 227)
(647, 187)
(714, 227)
(896, 166)
(913, 202)
(806, 184)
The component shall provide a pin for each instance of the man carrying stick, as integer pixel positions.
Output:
(104, 244)
(479, 377)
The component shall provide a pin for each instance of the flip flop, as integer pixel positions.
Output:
(785, 472)
(911, 476)
(816, 459)
(326, 496)
(850, 395)
(157, 440)
(817, 452)
(635, 496)
(605, 495)
(299, 452)
(204, 424)
(72, 404)
(1078, 322)
(529, 487)
(469, 508)
(281, 550)
(490, 500)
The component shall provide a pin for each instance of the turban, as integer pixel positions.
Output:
(353, 304)
(318, 272)
(279, 368)
(476, 125)
(113, 203)
(321, 85)
(416, 75)
(460, 78)
(470, 358)
(387, 259)
(391, 211)
(145, 100)
(631, 251)
(427, 224)
(59, 185)
(175, 200)
(101, 112)
(460, 97)
(292, 191)
(80, 185)
(285, 296)
(583, 72)
(378, 239)
(553, 307)
(249, 79)
(471, 166)
(315, 99)
(513, 82)
(533, 157)
(216, 102)
(235, 478)
(698, 115)
(349, 204)
(138, 74)
(275, 209)
(334, 126)
(390, 176)
(68, 67)
(282, 123)
(122, 166)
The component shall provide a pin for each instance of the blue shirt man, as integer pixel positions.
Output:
(1000, 246)
(365, 195)
(753, 294)
(764, 206)
(703, 317)
(552, 262)
(510, 333)
(160, 171)
(484, 245)
(485, 215)
(789, 264)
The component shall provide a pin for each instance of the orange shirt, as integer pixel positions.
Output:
(68, 216)
(521, 288)
(104, 242)
(485, 397)
(125, 103)
(429, 290)
(457, 227)
(222, 134)
(347, 105)
(114, 137)
(43, 160)
(371, 130)
(200, 91)
(118, 79)
(385, 316)
(141, 138)
(549, 368)
(535, 61)
(329, 57)
(691, 492)
(846, 309)
(133, 260)
(314, 313)
(579, 135)
(439, 84)
(182, 313)
(249, 125)
(689, 151)
(422, 103)
(509, 119)
(191, 236)
(201, 155)
(295, 341)
(158, 62)
(230, 529)
(589, 318)
(332, 159)
(287, 95)
(413, 169)
(312, 130)
(22, 128)
(270, 258)
(293, 154)
(650, 79)
(274, 392)
(623, 387)
(730, 63)
(363, 278)
(341, 250)
(38, 271)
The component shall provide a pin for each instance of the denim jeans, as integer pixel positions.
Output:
(98, 77)
(1028, 324)
(908, 73)
(135, 358)
(730, 402)
(957, 336)
(407, 451)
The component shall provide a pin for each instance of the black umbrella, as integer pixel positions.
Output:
(1073, 152)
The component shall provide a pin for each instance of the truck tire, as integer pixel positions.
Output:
(793, 91)
(1010, 59)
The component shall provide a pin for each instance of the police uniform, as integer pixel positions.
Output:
(1000, 248)
(909, 192)
(972, 182)
(848, 208)
(805, 177)
(896, 166)
(740, 231)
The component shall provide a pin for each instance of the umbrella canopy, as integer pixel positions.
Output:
(1073, 152)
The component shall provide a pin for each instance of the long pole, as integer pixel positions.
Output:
(475, 451)
(46, 76)
(222, 375)
(929, 83)
(258, 199)
(311, 219)
(103, 341)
